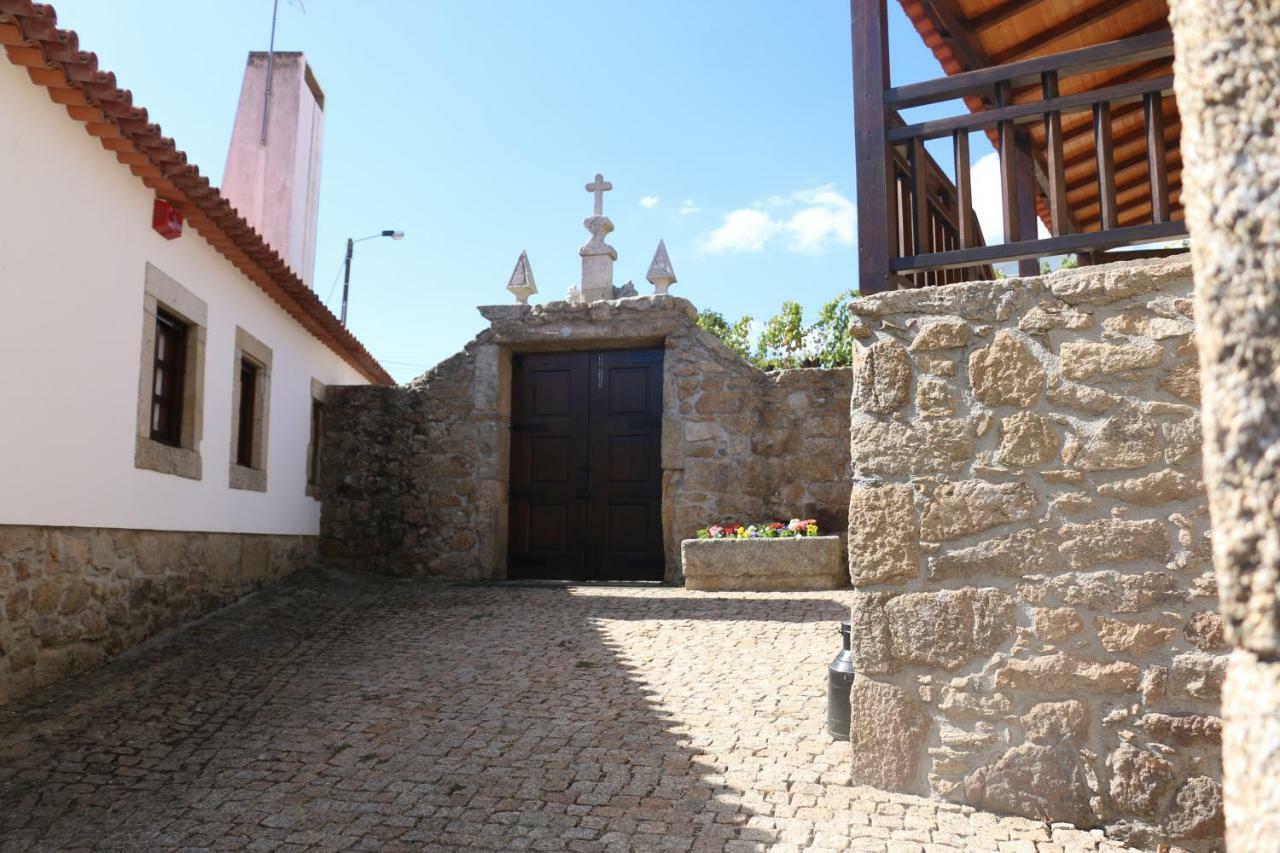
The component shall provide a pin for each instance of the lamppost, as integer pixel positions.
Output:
(346, 274)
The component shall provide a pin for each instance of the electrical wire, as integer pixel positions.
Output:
(335, 281)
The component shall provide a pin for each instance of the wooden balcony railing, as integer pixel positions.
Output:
(916, 226)
(945, 218)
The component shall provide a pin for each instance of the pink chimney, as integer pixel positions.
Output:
(273, 169)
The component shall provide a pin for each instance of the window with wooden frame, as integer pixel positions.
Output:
(167, 379)
(315, 447)
(248, 398)
(250, 401)
(170, 378)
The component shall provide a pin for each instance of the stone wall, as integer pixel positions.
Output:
(1228, 86)
(1034, 622)
(71, 597)
(417, 476)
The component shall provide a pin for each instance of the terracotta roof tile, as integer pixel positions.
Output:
(53, 59)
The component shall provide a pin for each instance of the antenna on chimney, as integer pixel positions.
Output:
(271, 55)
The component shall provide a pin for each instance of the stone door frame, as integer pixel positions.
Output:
(597, 421)
(503, 353)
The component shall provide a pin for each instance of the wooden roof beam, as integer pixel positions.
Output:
(997, 15)
(1124, 164)
(1153, 68)
(1172, 133)
(1138, 208)
(1069, 26)
(1088, 195)
(1076, 125)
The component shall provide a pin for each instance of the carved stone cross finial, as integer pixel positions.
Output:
(599, 186)
(598, 256)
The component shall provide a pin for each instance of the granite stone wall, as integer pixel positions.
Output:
(416, 477)
(71, 597)
(1035, 625)
(1228, 85)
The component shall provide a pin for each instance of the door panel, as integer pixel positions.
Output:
(586, 479)
(548, 510)
(625, 533)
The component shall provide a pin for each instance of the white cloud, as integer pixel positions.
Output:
(985, 175)
(743, 230)
(808, 221)
(689, 208)
(827, 217)
(987, 204)
(649, 201)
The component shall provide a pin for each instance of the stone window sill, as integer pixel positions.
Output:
(249, 479)
(153, 455)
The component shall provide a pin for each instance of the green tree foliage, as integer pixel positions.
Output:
(785, 341)
(1070, 262)
(782, 342)
(737, 336)
(831, 332)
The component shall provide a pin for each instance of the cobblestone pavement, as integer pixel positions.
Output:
(333, 711)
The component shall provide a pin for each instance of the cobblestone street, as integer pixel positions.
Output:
(343, 712)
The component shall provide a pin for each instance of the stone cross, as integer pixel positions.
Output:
(598, 256)
(599, 186)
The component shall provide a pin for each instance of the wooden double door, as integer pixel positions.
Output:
(586, 476)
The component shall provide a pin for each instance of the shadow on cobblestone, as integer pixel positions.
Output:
(357, 713)
(361, 713)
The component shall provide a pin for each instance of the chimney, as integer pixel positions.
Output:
(276, 184)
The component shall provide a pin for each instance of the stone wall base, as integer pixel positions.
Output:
(72, 597)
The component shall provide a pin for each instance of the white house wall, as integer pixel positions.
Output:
(75, 239)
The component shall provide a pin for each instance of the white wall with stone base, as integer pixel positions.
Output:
(75, 246)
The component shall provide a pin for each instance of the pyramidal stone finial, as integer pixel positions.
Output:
(661, 275)
(522, 284)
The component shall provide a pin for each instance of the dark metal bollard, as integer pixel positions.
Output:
(839, 680)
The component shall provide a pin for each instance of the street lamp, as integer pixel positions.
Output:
(346, 274)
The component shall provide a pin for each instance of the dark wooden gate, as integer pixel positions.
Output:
(586, 478)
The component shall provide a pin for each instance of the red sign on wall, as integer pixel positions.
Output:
(166, 220)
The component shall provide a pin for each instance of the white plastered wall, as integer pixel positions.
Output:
(75, 239)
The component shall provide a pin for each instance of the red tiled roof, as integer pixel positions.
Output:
(53, 59)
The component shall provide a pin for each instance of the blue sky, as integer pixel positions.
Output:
(725, 127)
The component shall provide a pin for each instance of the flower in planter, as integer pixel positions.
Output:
(797, 527)
(803, 527)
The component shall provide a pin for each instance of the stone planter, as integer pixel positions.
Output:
(763, 565)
